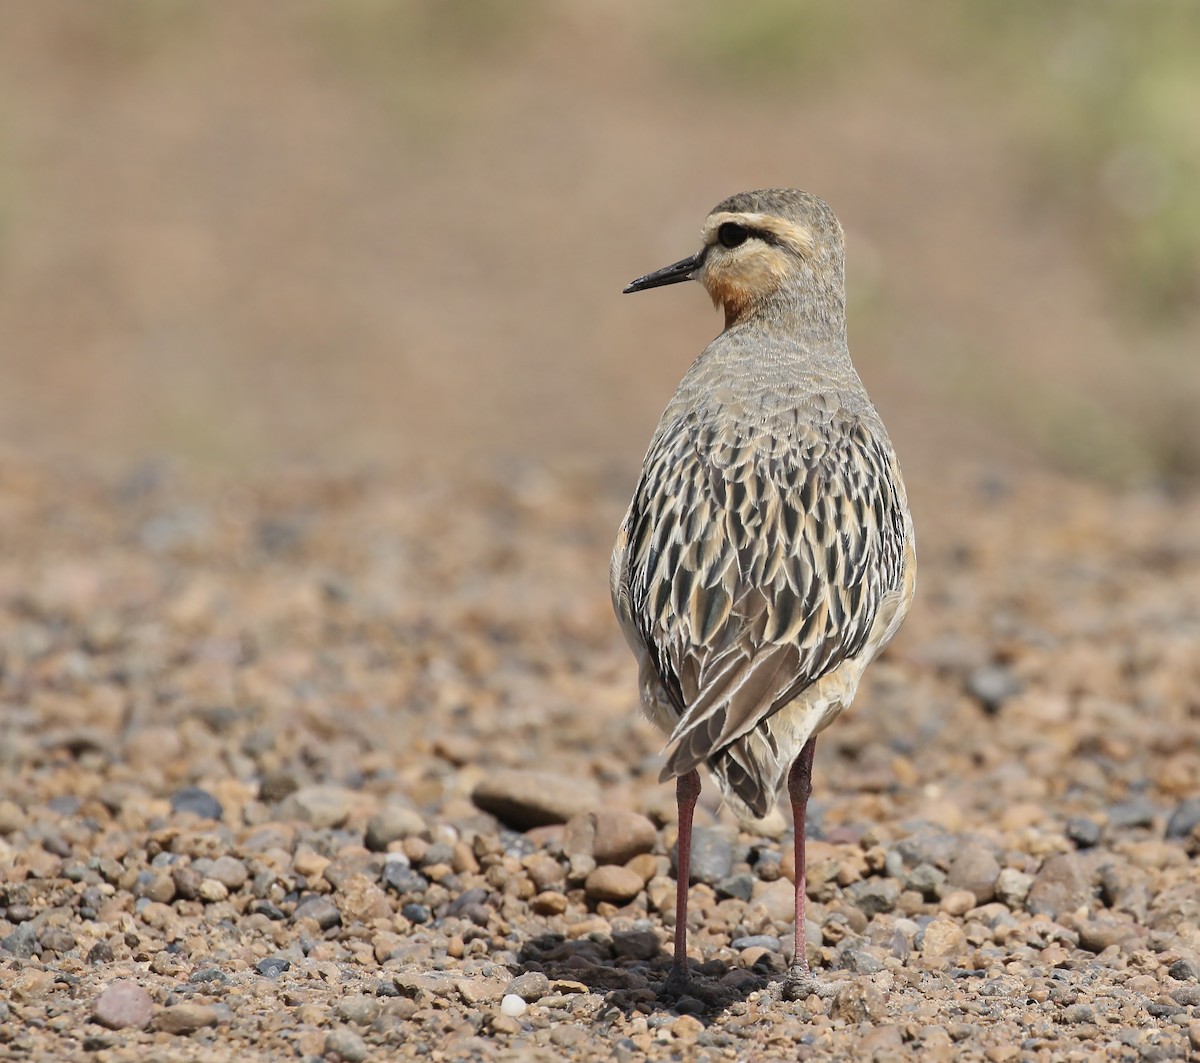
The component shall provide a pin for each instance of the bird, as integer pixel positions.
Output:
(768, 553)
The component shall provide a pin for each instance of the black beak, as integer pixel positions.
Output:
(682, 270)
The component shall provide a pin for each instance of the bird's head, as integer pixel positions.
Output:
(759, 248)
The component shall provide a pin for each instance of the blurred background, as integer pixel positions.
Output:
(394, 234)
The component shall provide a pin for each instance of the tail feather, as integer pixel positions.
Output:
(749, 772)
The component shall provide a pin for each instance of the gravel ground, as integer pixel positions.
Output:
(350, 768)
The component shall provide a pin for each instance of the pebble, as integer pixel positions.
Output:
(100, 953)
(123, 1003)
(775, 900)
(229, 871)
(513, 1006)
(1084, 832)
(712, 855)
(1184, 819)
(1136, 812)
(1062, 885)
(974, 868)
(530, 986)
(320, 909)
(185, 1018)
(757, 941)
(874, 896)
(620, 836)
(392, 823)
(344, 1044)
(926, 880)
(992, 685)
(1079, 1013)
(273, 966)
(1012, 887)
(359, 900)
(1096, 935)
(187, 881)
(525, 799)
(213, 891)
(156, 885)
(928, 846)
(858, 1002)
(32, 984)
(613, 883)
(12, 819)
(958, 902)
(505, 1024)
(57, 939)
(635, 945)
(865, 960)
(943, 939)
(1185, 969)
(358, 1009)
(22, 942)
(198, 802)
(687, 1029)
(323, 807)
(739, 887)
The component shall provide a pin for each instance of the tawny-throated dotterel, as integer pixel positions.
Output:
(767, 555)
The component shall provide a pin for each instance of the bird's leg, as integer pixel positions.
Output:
(687, 790)
(799, 790)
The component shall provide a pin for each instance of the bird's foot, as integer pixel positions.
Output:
(678, 984)
(801, 983)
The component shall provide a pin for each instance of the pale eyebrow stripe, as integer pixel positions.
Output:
(774, 230)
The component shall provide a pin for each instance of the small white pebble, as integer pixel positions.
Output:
(512, 1005)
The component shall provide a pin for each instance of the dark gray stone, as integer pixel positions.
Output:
(926, 880)
(635, 944)
(1083, 832)
(1184, 819)
(99, 953)
(398, 877)
(1136, 812)
(196, 801)
(992, 685)
(22, 942)
(928, 846)
(758, 941)
(1185, 970)
(58, 939)
(863, 960)
(272, 966)
(712, 855)
(209, 974)
(874, 895)
(466, 900)
(740, 887)
(321, 909)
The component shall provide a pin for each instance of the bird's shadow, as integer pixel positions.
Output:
(636, 975)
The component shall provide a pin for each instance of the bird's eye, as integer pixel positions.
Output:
(732, 235)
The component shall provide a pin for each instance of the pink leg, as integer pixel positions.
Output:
(799, 789)
(687, 790)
